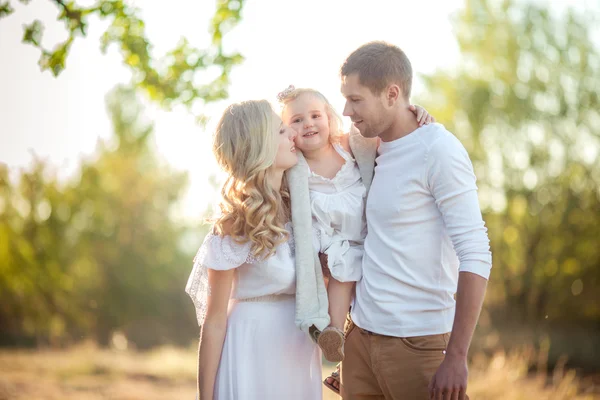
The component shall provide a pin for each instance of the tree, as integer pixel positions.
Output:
(37, 252)
(168, 80)
(128, 234)
(102, 252)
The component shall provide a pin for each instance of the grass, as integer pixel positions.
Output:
(86, 372)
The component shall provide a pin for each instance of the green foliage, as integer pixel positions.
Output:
(169, 80)
(100, 253)
(525, 102)
(37, 253)
(5, 9)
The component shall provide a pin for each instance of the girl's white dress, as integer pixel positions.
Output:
(265, 356)
(337, 207)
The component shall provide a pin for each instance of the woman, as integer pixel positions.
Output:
(243, 280)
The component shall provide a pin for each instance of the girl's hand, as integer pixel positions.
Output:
(423, 117)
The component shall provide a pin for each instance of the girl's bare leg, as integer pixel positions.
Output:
(340, 296)
(331, 340)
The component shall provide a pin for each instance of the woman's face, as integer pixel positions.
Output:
(286, 151)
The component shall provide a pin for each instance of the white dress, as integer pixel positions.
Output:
(265, 356)
(338, 211)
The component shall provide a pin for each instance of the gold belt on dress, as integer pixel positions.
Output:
(271, 298)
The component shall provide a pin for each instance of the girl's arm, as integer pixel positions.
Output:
(345, 143)
(212, 333)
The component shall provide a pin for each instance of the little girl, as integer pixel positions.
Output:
(337, 197)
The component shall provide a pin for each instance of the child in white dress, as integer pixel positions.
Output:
(243, 279)
(337, 197)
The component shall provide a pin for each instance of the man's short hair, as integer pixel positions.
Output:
(378, 64)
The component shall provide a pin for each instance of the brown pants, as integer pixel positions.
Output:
(387, 367)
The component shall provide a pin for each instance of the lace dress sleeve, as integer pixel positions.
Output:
(217, 253)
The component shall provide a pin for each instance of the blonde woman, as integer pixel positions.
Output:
(243, 279)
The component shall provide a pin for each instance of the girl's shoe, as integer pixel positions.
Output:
(331, 341)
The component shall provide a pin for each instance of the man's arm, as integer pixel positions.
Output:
(451, 376)
(452, 183)
(469, 300)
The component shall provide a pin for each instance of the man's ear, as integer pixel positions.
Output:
(393, 94)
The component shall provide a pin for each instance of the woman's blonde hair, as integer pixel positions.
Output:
(335, 121)
(245, 147)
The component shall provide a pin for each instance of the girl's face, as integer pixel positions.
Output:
(286, 150)
(308, 116)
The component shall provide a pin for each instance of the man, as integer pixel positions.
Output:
(408, 338)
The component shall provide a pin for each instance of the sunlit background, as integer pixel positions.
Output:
(300, 43)
(283, 42)
(97, 233)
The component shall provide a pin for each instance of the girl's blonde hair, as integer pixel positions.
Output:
(245, 147)
(335, 121)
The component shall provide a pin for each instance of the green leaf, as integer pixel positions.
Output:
(33, 33)
(5, 9)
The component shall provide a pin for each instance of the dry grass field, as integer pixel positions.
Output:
(88, 373)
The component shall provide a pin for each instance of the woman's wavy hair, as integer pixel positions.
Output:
(245, 147)
(335, 121)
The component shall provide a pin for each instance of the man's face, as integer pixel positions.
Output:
(367, 111)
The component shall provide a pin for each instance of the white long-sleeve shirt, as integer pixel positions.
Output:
(424, 226)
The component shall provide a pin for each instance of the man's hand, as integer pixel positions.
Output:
(450, 379)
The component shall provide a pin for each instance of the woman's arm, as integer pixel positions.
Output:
(212, 334)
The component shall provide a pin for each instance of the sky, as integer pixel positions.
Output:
(284, 42)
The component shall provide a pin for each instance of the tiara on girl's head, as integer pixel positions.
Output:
(282, 95)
